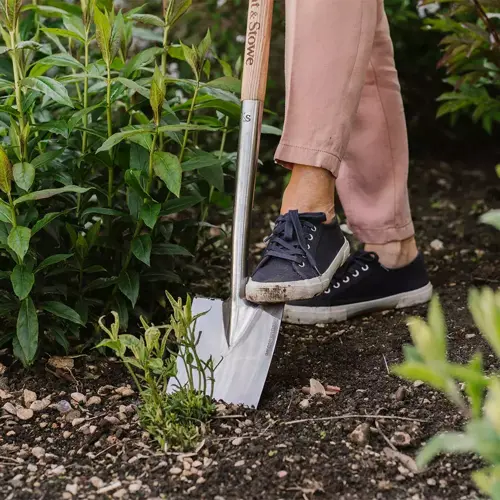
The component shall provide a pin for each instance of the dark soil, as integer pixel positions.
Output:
(277, 457)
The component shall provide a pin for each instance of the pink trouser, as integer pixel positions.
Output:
(344, 111)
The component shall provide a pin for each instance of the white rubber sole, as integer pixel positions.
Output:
(280, 292)
(300, 315)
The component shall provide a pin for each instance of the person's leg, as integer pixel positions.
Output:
(328, 48)
(372, 185)
(372, 181)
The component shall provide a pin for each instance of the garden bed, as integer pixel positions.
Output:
(285, 449)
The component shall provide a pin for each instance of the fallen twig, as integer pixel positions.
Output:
(343, 417)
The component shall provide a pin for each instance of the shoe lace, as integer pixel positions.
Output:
(359, 261)
(288, 241)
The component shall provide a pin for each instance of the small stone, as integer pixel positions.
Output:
(470, 335)
(72, 488)
(66, 495)
(197, 464)
(110, 487)
(239, 463)
(78, 397)
(120, 493)
(282, 473)
(401, 439)
(135, 487)
(24, 413)
(16, 481)
(40, 404)
(93, 400)
(71, 415)
(67, 434)
(304, 403)
(112, 420)
(418, 383)
(175, 471)
(437, 245)
(361, 434)
(38, 452)
(32, 468)
(207, 462)
(105, 389)
(200, 480)
(431, 481)
(9, 408)
(400, 394)
(125, 391)
(29, 397)
(3, 369)
(77, 421)
(96, 482)
(237, 441)
(63, 406)
(58, 470)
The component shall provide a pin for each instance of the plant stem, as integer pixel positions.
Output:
(487, 22)
(17, 89)
(85, 93)
(151, 161)
(110, 133)
(188, 121)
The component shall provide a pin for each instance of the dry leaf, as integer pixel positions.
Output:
(61, 362)
(316, 387)
(406, 460)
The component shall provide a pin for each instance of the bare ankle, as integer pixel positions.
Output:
(395, 254)
(311, 189)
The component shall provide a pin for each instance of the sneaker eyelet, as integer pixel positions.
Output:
(302, 264)
(310, 237)
(365, 268)
(337, 285)
(328, 291)
(355, 274)
(314, 229)
(346, 280)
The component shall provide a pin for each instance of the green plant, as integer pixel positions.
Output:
(106, 162)
(175, 420)
(471, 57)
(427, 360)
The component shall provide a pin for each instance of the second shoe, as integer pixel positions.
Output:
(302, 255)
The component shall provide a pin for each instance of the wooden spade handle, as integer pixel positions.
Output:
(256, 57)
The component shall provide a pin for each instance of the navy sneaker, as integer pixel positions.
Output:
(361, 286)
(302, 255)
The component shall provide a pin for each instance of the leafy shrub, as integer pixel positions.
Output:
(471, 57)
(174, 420)
(102, 148)
(427, 361)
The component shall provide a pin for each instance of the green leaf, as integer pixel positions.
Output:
(63, 33)
(437, 325)
(121, 136)
(79, 115)
(168, 169)
(122, 310)
(62, 311)
(204, 46)
(130, 84)
(214, 176)
(449, 442)
(49, 87)
(228, 83)
(22, 280)
(59, 60)
(103, 211)
(27, 330)
(5, 172)
(270, 130)
(178, 10)
(142, 59)
(492, 218)
(5, 213)
(148, 19)
(191, 57)
(128, 283)
(180, 204)
(19, 240)
(149, 214)
(170, 249)
(46, 158)
(157, 94)
(48, 193)
(52, 260)
(103, 33)
(133, 179)
(24, 175)
(141, 248)
(202, 160)
(46, 220)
